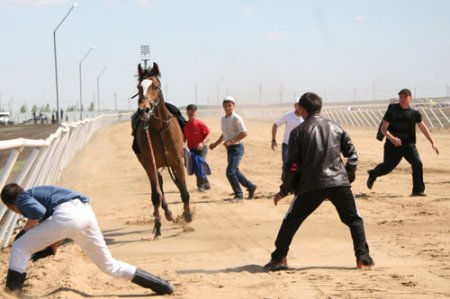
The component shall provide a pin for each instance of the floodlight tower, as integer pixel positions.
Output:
(145, 54)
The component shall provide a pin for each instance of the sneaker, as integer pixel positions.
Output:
(201, 189)
(251, 192)
(418, 194)
(237, 199)
(277, 265)
(363, 265)
(371, 179)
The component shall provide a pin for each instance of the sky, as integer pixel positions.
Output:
(260, 51)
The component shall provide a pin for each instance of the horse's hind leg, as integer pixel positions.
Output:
(164, 205)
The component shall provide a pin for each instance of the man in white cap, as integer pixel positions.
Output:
(233, 132)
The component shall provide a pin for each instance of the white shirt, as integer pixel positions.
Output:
(291, 120)
(232, 126)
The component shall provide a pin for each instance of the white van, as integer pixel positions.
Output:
(4, 118)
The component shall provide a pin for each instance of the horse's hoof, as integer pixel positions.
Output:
(156, 238)
(187, 216)
(169, 216)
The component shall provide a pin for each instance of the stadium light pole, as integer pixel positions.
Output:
(98, 89)
(145, 54)
(58, 119)
(81, 89)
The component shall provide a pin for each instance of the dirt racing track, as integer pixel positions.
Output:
(221, 253)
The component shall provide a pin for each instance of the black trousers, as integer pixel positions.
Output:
(392, 157)
(304, 204)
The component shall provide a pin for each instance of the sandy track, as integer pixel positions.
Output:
(220, 255)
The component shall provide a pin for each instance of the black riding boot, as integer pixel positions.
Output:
(15, 280)
(153, 282)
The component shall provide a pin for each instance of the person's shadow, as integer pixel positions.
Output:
(257, 269)
(86, 295)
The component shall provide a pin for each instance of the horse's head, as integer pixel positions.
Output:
(149, 88)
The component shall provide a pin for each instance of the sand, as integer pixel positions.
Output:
(221, 253)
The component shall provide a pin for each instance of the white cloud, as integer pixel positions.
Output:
(360, 18)
(41, 2)
(276, 35)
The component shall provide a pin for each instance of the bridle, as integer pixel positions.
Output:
(146, 114)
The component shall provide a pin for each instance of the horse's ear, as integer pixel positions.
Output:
(140, 70)
(155, 70)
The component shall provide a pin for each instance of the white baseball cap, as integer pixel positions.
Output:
(229, 99)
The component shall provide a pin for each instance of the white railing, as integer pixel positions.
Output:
(46, 161)
(368, 116)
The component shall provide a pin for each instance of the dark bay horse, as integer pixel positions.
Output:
(160, 141)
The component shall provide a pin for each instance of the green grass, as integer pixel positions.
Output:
(7, 129)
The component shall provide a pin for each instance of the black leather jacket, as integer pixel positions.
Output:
(314, 157)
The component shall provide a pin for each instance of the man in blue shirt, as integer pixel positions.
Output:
(54, 214)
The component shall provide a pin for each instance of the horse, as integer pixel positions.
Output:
(160, 142)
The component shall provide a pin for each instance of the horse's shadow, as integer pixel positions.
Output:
(254, 269)
(109, 235)
(86, 295)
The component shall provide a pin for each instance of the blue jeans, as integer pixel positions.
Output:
(234, 176)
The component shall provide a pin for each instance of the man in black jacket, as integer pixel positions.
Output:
(399, 127)
(315, 172)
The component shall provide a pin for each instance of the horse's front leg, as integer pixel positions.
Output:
(180, 176)
(156, 200)
(165, 206)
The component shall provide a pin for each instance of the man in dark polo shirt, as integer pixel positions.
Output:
(399, 128)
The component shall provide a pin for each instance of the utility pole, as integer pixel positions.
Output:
(218, 86)
(56, 62)
(373, 87)
(281, 93)
(195, 87)
(98, 90)
(260, 93)
(115, 101)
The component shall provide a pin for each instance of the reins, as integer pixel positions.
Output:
(165, 127)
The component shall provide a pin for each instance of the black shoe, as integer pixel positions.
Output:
(371, 179)
(153, 282)
(418, 194)
(251, 192)
(15, 281)
(277, 265)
